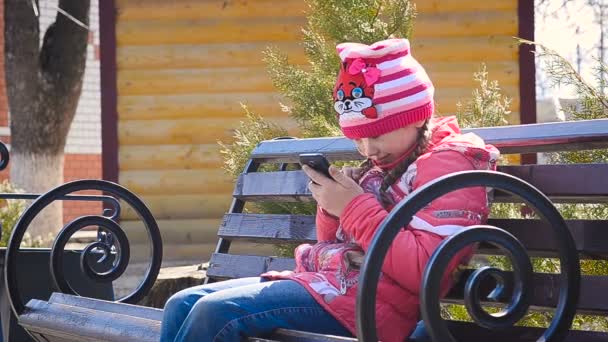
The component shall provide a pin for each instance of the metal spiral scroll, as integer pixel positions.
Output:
(520, 288)
(4, 156)
(115, 242)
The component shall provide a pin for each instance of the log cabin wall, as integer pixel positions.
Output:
(184, 66)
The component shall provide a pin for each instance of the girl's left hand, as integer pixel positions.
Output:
(333, 195)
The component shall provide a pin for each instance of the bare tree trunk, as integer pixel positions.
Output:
(43, 87)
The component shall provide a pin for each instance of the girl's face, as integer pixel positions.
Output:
(387, 148)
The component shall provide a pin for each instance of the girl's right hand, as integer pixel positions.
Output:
(353, 173)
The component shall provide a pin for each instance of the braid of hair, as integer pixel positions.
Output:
(366, 166)
(422, 141)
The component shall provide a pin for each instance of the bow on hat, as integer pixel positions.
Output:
(370, 73)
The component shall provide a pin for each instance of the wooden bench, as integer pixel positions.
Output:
(65, 317)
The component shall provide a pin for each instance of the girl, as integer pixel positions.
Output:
(384, 101)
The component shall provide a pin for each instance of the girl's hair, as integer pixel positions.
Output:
(422, 141)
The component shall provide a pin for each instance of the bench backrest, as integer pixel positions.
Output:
(577, 183)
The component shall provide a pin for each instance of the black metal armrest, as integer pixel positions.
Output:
(116, 246)
(436, 327)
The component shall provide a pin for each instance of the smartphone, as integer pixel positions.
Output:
(317, 161)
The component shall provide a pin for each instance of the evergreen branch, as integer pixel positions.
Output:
(377, 13)
(561, 71)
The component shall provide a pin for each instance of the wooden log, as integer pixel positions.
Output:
(184, 231)
(193, 9)
(285, 28)
(455, 6)
(228, 54)
(187, 81)
(266, 104)
(218, 55)
(460, 74)
(465, 49)
(173, 107)
(174, 182)
(449, 106)
(172, 280)
(203, 251)
(172, 252)
(186, 206)
(490, 49)
(465, 24)
(256, 79)
(180, 251)
(156, 32)
(184, 131)
(447, 99)
(169, 157)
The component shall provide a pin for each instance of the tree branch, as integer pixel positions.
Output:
(43, 84)
(63, 53)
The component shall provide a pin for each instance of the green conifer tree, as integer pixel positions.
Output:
(308, 89)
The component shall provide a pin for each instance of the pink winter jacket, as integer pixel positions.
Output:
(329, 270)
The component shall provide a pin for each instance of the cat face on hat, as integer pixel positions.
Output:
(353, 96)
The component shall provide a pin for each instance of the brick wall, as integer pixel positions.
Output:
(79, 166)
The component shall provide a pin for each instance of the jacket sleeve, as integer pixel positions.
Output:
(327, 225)
(411, 249)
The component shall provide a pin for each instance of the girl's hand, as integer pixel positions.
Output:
(353, 173)
(333, 195)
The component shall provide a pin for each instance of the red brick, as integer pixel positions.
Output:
(82, 166)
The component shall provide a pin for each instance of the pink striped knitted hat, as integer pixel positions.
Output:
(380, 88)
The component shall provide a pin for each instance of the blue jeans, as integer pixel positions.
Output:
(247, 307)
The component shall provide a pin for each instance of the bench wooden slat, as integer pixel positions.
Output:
(267, 228)
(287, 186)
(562, 183)
(285, 335)
(582, 182)
(462, 331)
(546, 137)
(545, 294)
(465, 331)
(77, 324)
(536, 235)
(107, 306)
(539, 239)
(228, 266)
